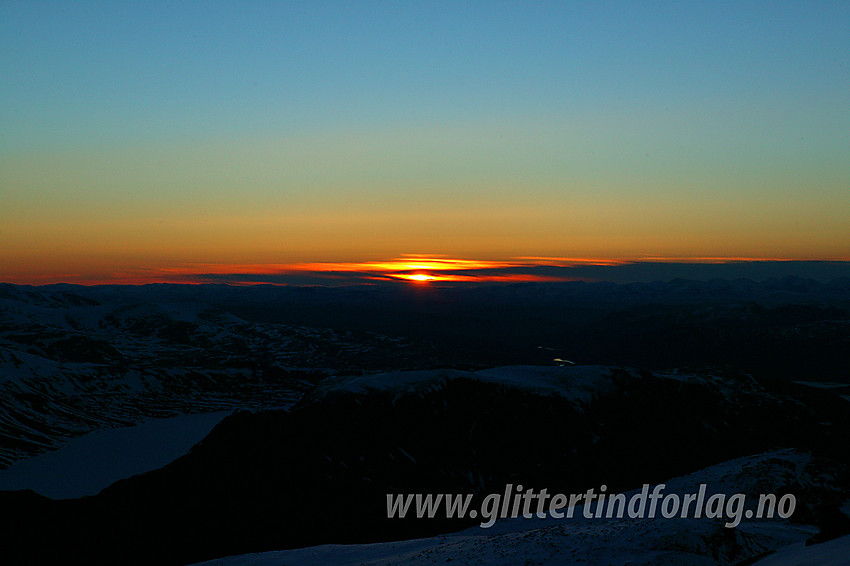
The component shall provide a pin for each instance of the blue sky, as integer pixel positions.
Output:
(107, 72)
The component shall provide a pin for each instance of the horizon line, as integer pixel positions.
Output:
(409, 268)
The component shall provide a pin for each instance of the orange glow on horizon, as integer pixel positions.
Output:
(417, 268)
(413, 268)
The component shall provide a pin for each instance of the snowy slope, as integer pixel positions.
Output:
(831, 553)
(635, 542)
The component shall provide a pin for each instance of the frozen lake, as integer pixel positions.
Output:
(87, 464)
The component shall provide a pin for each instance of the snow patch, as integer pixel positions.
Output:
(823, 384)
(576, 383)
(831, 553)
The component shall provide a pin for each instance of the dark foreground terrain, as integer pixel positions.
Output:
(599, 384)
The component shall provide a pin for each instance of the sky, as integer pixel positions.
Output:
(142, 139)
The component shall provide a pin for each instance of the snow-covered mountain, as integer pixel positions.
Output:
(70, 364)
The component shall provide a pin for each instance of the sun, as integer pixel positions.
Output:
(421, 277)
